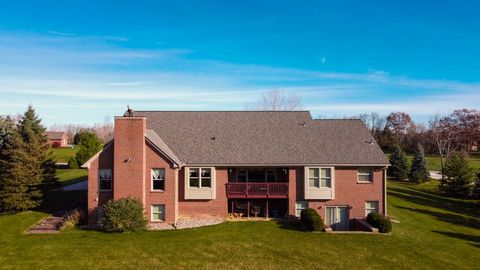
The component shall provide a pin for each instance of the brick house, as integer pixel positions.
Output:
(262, 164)
(57, 138)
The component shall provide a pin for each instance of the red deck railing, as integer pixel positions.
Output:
(257, 190)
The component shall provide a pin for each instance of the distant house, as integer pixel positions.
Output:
(57, 138)
(247, 164)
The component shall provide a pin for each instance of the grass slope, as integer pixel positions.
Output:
(71, 176)
(64, 154)
(435, 233)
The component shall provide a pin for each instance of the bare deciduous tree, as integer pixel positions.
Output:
(373, 121)
(442, 131)
(279, 101)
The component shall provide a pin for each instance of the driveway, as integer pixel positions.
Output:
(435, 175)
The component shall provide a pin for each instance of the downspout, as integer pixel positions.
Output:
(385, 191)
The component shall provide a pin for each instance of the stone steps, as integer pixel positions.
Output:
(51, 224)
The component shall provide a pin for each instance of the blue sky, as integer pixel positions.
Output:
(79, 61)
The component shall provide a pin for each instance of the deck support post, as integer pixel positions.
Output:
(248, 209)
(267, 208)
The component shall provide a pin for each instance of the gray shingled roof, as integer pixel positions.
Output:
(153, 137)
(270, 138)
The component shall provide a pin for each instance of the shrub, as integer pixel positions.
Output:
(74, 218)
(383, 224)
(311, 220)
(56, 144)
(73, 163)
(123, 215)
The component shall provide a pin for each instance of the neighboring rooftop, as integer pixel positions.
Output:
(263, 137)
(55, 135)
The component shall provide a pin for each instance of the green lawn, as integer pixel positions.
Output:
(64, 154)
(433, 162)
(71, 176)
(434, 233)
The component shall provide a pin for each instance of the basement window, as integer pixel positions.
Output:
(105, 179)
(158, 212)
(371, 207)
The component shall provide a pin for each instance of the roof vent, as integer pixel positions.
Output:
(369, 141)
(212, 138)
(304, 124)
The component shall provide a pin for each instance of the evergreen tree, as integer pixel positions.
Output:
(419, 171)
(458, 176)
(6, 132)
(28, 172)
(21, 176)
(89, 146)
(398, 164)
(33, 134)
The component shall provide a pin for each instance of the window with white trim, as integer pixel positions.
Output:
(105, 179)
(319, 177)
(299, 206)
(364, 175)
(371, 207)
(158, 179)
(200, 177)
(158, 212)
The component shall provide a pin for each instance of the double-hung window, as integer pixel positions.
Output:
(200, 178)
(158, 212)
(105, 179)
(371, 207)
(158, 179)
(364, 175)
(319, 177)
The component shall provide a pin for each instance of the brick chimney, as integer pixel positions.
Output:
(129, 158)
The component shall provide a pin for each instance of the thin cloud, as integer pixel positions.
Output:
(69, 74)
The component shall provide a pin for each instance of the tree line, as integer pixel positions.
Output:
(453, 137)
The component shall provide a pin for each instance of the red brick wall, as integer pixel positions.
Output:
(95, 199)
(349, 193)
(130, 158)
(217, 207)
(167, 197)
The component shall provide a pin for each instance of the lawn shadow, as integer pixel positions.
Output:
(64, 201)
(474, 240)
(470, 209)
(289, 225)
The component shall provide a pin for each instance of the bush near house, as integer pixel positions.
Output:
(311, 220)
(383, 224)
(123, 215)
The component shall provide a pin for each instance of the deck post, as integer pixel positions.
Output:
(232, 207)
(248, 209)
(267, 207)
